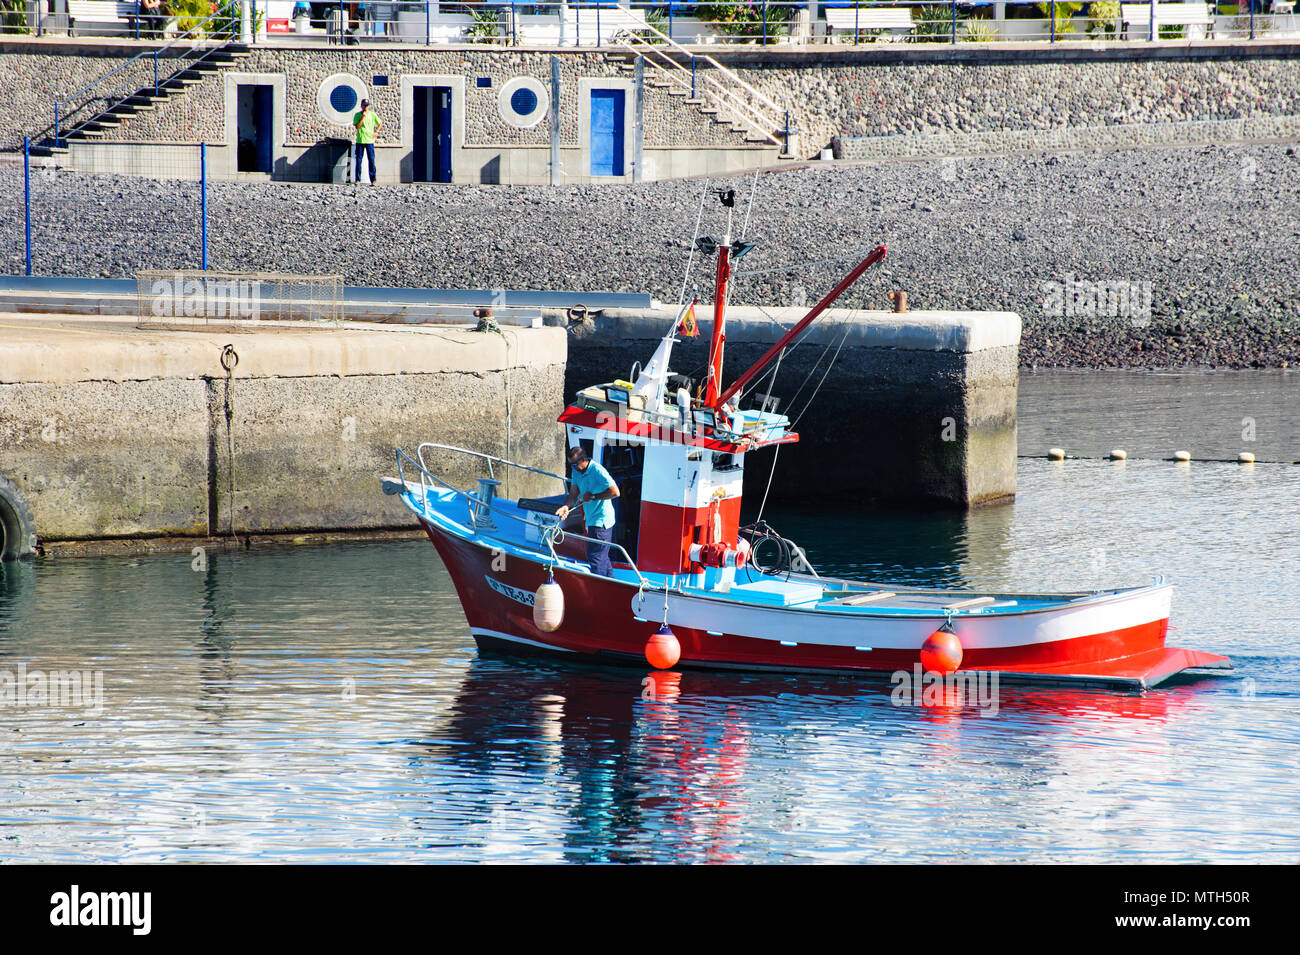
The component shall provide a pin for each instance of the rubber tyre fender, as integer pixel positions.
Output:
(17, 529)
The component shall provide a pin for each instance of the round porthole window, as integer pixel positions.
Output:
(523, 102)
(339, 98)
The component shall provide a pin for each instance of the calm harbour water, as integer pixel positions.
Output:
(327, 704)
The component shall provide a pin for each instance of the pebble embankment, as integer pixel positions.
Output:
(1141, 257)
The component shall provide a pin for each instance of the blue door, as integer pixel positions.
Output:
(254, 149)
(607, 132)
(431, 135)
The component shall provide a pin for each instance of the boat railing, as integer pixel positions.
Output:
(550, 532)
(491, 459)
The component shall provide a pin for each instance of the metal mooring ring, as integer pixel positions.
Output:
(229, 358)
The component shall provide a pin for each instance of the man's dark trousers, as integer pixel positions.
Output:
(598, 553)
(369, 150)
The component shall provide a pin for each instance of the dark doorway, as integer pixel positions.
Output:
(625, 464)
(254, 147)
(607, 132)
(431, 134)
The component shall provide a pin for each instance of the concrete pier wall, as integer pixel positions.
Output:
(109, 431)
(917, 408)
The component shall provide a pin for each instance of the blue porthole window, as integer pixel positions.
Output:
(523, 102)
(339, 97)
(343, 98)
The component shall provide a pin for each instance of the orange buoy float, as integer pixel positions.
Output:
(662, 649)
(548, 606)
(941, 652)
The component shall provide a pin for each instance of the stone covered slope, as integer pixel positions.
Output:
(1211, 232)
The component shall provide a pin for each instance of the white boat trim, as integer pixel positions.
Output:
(830, 628)
(497, 634)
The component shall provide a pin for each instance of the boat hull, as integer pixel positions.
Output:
(1117, 640)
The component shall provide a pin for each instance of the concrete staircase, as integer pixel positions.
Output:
(115, 110)
(657, 78)
(702, 82)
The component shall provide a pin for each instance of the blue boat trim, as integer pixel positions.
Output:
(511, 521)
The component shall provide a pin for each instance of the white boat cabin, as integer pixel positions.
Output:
(679, 467)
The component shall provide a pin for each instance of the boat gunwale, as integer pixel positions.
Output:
(1059, 602)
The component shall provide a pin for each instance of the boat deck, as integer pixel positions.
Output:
(515, 528)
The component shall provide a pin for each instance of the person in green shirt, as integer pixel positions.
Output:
(367, 124)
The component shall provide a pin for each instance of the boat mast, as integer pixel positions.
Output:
(721, 276)
(876, 255)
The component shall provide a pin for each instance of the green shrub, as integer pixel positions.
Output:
(13, 16)
(745, 18)
(977, 31)
(659, 20)
(1064, 11)
(1102, 16)
(933, 23)
(487, 24)
(190, 14)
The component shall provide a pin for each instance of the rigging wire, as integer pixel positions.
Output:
(811, 371)
(690, 258)
(801, 265)
(752, 189)
(775, 452)
(812, 397)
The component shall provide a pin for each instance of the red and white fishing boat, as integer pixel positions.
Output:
(692, 588)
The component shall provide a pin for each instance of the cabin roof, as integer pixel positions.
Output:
(758, 429)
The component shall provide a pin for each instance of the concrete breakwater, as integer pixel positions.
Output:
(911, 409)
(1204, 235)
(109, 431)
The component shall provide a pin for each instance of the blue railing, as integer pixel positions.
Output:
(588, 22)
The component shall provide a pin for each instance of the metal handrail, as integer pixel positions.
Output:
(745, 113)
(649, 28)
(58, 103)
(548, 529)
(489, 458)
(635, 39)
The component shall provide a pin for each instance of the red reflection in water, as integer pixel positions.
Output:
(672, 749)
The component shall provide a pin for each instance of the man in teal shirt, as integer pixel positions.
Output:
(591, 485)
(367, 124)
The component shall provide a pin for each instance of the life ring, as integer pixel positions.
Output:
(17, 529)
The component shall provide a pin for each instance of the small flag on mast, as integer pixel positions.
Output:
(687, 327)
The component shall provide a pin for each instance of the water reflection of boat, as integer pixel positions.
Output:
(703, 591)
(675, 766)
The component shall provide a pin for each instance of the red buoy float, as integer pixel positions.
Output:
(941, 652)
(662, 649)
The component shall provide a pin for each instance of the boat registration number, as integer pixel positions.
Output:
(525, 597)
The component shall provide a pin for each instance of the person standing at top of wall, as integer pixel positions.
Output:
(367, 124)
